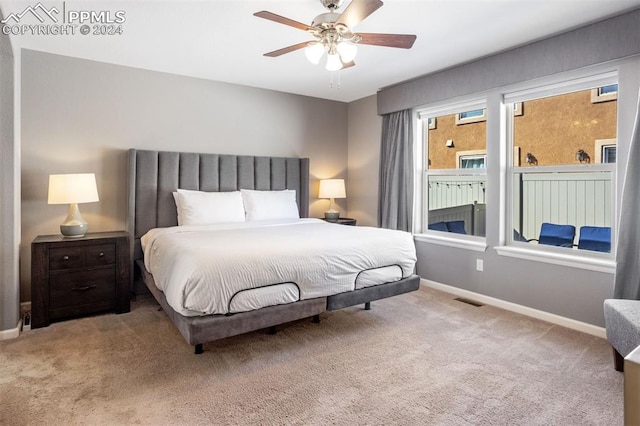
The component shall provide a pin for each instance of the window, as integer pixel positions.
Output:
(476, 115)
(472, 159)
(609, 154)
(604, 93)
(605, 151)
(455, 161)
(472, 116)
(572, 184)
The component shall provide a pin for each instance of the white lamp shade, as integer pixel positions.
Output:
(332, 188)
(73, 188)
(314, 52)
(333, 62)
(347, 51)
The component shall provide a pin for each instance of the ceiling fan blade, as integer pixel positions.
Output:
(281, 20)
(346, 65)
(403, 41)
(357, 11)
(287, 49)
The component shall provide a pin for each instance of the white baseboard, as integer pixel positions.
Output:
(11, 333)
(520, 309)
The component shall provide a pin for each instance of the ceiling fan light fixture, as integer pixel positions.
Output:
(314, 52)
(333, 34)
(333, 62)
(347, 51)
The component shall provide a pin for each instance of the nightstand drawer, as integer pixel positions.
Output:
(65, 258)
(104, 254)
(79, 288)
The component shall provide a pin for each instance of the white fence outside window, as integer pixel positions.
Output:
(577, 199)
(563, 198)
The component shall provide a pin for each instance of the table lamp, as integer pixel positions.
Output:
(332, 188)
(73, 189)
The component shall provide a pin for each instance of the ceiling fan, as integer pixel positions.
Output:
(334, 34)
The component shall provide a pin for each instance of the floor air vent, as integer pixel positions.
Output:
(469, 302)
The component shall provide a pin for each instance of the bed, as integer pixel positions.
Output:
(288, 281)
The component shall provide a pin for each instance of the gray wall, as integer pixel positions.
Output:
(572, 293)
(83, 116)
(365, 128)
(9, 189)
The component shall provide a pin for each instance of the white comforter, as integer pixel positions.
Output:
(200, 268)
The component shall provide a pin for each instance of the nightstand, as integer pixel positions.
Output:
(71, 277)
(342, 221)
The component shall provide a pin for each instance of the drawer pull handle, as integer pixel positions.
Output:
(85, 288)
(65, 258)
(101, 254)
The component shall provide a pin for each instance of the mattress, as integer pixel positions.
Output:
(212, 269)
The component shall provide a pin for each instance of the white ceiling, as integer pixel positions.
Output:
(223, 41)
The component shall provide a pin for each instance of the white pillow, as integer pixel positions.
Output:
(269, 205)
(208, 208)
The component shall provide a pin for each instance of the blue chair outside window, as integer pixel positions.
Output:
(596, 238)
(438, 226)
(455, 226)
(556, 235)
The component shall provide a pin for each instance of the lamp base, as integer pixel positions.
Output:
(74, 225)
(332, 215)
(74, 231)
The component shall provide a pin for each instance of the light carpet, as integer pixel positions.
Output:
(420, 358)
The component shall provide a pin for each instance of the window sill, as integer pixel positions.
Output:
(583, 262)
(461, 241)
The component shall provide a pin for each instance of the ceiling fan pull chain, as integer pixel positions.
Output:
(338, 81)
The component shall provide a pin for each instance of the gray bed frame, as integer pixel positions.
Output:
(155, 175)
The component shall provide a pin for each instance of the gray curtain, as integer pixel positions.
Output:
(627, 281)
(395, 194)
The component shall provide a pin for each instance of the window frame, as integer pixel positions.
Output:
(500, 151)
(585, 259)
(424, 172)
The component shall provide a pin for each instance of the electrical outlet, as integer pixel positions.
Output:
(479, 265)
(25, 314)
(26, 321)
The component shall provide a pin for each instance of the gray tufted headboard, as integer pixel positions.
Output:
(154, 175)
